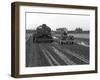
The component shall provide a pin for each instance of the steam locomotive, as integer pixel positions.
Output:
(43, 34)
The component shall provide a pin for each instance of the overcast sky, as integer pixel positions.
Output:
(54, 21)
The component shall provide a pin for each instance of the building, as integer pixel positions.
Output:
(61, 30)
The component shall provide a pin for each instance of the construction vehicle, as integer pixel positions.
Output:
(65, 38)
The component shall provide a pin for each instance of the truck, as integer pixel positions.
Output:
(65, 38)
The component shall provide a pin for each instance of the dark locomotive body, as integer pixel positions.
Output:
(42, 34)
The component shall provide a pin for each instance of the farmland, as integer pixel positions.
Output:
(54, 54)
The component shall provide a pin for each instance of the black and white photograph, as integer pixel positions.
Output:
(52, 39)
(55, 39)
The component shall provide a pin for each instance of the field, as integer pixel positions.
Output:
(81, 35)
(54, 54)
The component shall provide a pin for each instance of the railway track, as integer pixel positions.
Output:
(53, 54)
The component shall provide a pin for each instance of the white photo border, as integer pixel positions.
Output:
(54, 69)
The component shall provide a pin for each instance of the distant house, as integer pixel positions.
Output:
(61, 30)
